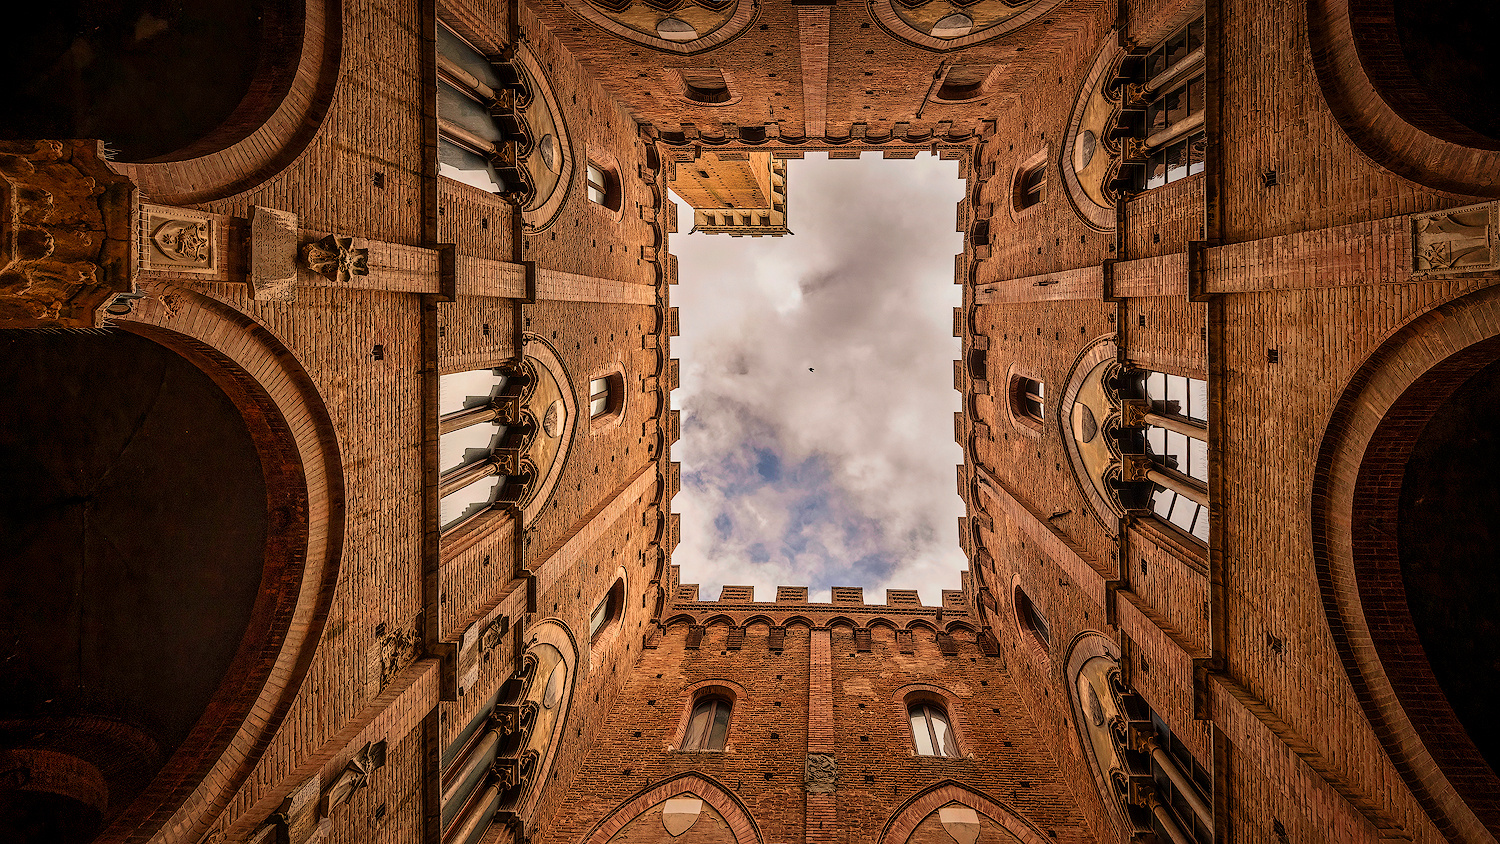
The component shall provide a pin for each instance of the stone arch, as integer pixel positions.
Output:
(1366, 443)
(1391, 116)
(1088, 158)
(1085, 648)
(294, 439)
(915, 810)
(281, 112)
(723, 801)
(555, 634)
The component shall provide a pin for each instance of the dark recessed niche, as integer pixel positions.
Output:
(1448, 530)
(1449, 49)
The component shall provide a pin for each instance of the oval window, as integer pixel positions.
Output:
(953, 26)
(547, 149)
(673, 29)
(553, 693)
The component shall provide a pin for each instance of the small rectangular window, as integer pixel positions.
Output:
(598, 397)
(598, 186)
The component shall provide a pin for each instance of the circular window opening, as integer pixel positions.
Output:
(1448, 529)
(673, 29)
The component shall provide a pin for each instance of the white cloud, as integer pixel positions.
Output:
(842, 475)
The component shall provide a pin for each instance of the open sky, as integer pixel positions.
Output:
(817, 387)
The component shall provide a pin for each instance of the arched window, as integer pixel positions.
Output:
(485, 431)
(1031, 620)
(1169, 84)
(930, 729)
(607, 611)
(470, 137)
(1030, 185)
(705, 85)
(708, 726)
(1172, 413)
(964, 82)
(603, 186)
(1028, 397)
(606, 395)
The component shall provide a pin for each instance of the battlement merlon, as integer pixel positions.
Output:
(844, 600)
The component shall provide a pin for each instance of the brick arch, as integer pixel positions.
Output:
(1356, 488)
(1374, 96)
(284, 110)
(695, 784)
(905, 819)
(299, 455)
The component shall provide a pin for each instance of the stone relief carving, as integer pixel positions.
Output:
(273, 254)
(336, 259)
(68, 222)
(821, 774)
(177, 240)
(1457, 240)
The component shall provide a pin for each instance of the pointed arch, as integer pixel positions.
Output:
(691, 783)
(759, 619)
(905, 819)
(800, 620)
(719, 619)
(922, 623)
(883, 622)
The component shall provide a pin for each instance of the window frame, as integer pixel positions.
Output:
(610, 194)
(686, 89)
(609, 611)
(613, 411)
(932, 710)
(1178, 150)
(715, 703)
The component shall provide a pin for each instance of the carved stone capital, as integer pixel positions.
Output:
(65, 234)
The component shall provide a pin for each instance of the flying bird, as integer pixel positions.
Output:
(809, 369)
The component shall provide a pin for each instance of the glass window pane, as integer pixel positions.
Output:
(1156, 170)
(1161, 502)
(1200, 527)
(1197, 465)
(1156, 386)
(1197, 407)
(944, 733)
(463, 165)
(1195, 34)
(919, 731)
(1197, 150)
(457, 107)
(1176, 105)
(1177, 448)
(1195, 96)
(466, 445)
(596, 196)
(463, 390)
(463, 54)
(1183, 512)
(1156, 62)
(598, 405)
(461, 503)
(1177, 391)
(721, 726)
(697, 730)
(1156, 440)
(1177, 48)
(1176, 160)
(1156, 116)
